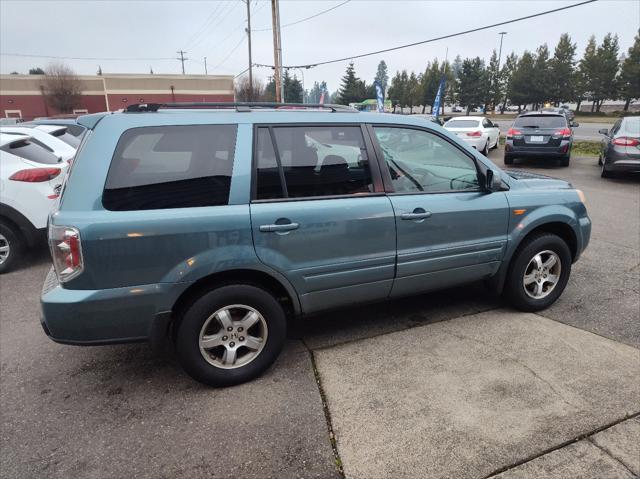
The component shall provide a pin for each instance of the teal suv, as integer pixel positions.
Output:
(212, 225)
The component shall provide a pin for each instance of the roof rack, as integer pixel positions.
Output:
(242, 106)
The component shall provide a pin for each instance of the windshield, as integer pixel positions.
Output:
(540, 121)
(462, 124)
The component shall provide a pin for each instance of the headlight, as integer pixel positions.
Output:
(582, 197)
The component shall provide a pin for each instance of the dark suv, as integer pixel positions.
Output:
(539, 135)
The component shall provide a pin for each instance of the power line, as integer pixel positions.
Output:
(219, 22)
(230, 53)
(303, 19)
(473, 30)
(27, 55)
(202, 28)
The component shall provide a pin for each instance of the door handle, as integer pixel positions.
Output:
(277, 227)
(418, 214)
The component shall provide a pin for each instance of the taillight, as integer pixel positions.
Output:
(474, 133)
(66, 251)
(565, 132)
(513, 132)
(625, 141)
(35, 175)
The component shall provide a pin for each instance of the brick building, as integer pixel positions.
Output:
(23, 96)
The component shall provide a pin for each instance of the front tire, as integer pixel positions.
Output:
(538, 273)
(604, 173)
(485, 150)
(10, 248)
(230, 335)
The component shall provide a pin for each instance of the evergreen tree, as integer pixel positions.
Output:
(352, 89)
(562, 76)
(456, 67)
(541, 83)
(394, 92)
(607, 56)
(430, 81)
(629, 81)
(494, 92)
(292, 88)
(270, 90)
(588, 71)
(521, 86)
(472, 83)
(414, 93)
(506, 76)
(36, 71)
(382, 76)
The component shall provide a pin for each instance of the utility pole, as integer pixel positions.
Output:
(277, 51)
(502, 34)
(205, 66)
(182, 59)
(248, 30)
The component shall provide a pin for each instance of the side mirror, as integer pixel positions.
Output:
(493, 181)
(603, 131)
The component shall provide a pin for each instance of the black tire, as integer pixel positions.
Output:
(12, 241)
(485, 150)
(564, 161)
(604, 173)
(508, 160)
(514, 289)
(194, 318)
(599, 160)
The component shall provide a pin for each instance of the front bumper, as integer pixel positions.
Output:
(107, 316)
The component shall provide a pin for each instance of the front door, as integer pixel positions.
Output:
(319, 215)
(449, 229)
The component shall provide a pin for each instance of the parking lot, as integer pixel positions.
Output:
(449, 384)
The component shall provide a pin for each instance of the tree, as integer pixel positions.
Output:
(244, 91)
(541, 84)
(607, 56)
(429, 84)
(562, 78)
(292, 88)
(395, 90)
(36, 71)
(352, 89)
(99, 72)
(629, 81)
(62, 87)
(414, 94)
(506, 77)
(521, 86)
(494, 92)
(472, 83)
(588, 70)
(382, 76)
(315, 93)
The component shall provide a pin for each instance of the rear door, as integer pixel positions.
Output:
(319, 213)
(449, 230)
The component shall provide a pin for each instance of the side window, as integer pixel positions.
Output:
(615, 127)
(419, 161)
(313, 161)
(486, 123)
(171, 167)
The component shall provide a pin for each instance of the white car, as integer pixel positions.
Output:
(478, 131)
(46, 136)
(30, 182)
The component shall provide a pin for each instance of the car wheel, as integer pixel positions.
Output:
(10, 248)
(230, 335)
(485, 150)
(599, 160)
(497, 143)
(564, 161)
(604, 173)
(538, 273)
(508, 160)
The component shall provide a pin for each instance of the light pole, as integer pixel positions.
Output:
(502, 34)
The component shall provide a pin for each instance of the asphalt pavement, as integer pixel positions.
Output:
(447, 384)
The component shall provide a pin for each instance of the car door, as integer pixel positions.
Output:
(608, 138)
(492, 130)
(320, 215)
(449, 230)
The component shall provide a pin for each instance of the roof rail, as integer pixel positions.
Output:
(242, 106)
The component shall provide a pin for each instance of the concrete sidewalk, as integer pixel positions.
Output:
(474, 396)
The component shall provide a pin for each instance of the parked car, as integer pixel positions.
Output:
(10, 121)
(568, 114)
(620, 147)
(30, 181)
(214, 228)
(540, 135)
(43, 138)
(73, 128)
(480, 132)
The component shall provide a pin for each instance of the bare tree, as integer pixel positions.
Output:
(245, 92)
(62, 87)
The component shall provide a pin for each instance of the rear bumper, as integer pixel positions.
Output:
(107, 316)
(623, 165)
(538, 151)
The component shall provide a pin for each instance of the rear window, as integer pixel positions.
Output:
(540, 121)
(171, 167)
(632, 125)
(462, 124)
(30, 150)
(67, 138)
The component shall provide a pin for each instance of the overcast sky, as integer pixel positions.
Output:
(132, 36)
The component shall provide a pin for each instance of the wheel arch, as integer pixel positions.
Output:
(20, 223)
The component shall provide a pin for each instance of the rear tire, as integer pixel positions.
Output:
(508, 160)
(10, 248)
(599, 160)
(215, 355)
(529, 288)
(564, 161)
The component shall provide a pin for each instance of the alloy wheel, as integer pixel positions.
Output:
(233, 336)
(542, 274)
(5, 248)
